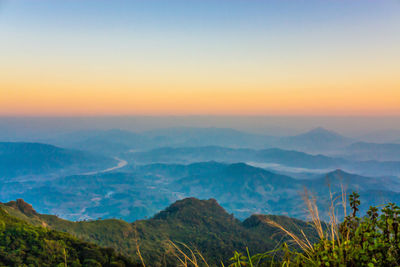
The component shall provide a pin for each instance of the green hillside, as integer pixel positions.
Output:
(204, 227)
(201, 224)
(23, 244)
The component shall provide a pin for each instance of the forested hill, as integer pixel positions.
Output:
(201, 224)
(23, 244)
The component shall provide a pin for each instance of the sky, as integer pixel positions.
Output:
(199, 57)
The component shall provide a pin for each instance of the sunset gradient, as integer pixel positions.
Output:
(64, 58)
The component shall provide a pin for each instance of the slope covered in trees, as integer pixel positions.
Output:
(200, 224)
(202, 227)
(23, 244)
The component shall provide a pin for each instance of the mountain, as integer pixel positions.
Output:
(110, 195)
(298, 159)
(288, 161)
(234, 176)
(23, 244)
(192, 154)
(114, 141)
(376, 197)
(145, 189)
(377, 168)
(200, 224)
(338, 180)
(250, 190)
(254, 190)
(382, 136)
(192, 136)
(373, 151)
(110, 142)
(34, 159)
(317, 140)
(231, 155)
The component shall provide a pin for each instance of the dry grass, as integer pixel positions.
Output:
(191, 259)
(303, 243)
(185, 259)
(331, 234)
(138, 248)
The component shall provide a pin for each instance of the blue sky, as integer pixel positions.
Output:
(212, 57)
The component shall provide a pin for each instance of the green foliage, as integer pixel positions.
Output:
(204, 226)
(22, 244)
(372, 240)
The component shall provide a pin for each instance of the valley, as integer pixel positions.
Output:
(121, 163)
(128, 191)
(134, 185)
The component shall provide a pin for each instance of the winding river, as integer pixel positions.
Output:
(121, 163)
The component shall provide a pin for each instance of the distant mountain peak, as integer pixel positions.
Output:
(316, 140)
(321, 130)
(338, 172)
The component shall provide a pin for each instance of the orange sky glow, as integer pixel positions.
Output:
(246, 62)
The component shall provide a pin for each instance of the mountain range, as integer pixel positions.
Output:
(274, 159)
(373, 151)
(116, 140)
(316, 141)
(144, 190)
(78, 185)
(223, 154)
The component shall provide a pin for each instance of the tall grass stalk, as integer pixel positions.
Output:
(186, 259)
(328, 234)
(138, 248)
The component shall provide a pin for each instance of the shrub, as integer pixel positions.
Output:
(372, 240)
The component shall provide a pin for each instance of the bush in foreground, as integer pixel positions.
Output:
(372, 240)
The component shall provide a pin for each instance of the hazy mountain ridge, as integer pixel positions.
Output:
(318, 140)
(315, 140)
(373, 151)
(223, 154)
(381, 136)
(116, 141)
(266, 157)
(109, 195)
(26, 159)
(240, 188)
(139, 190)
